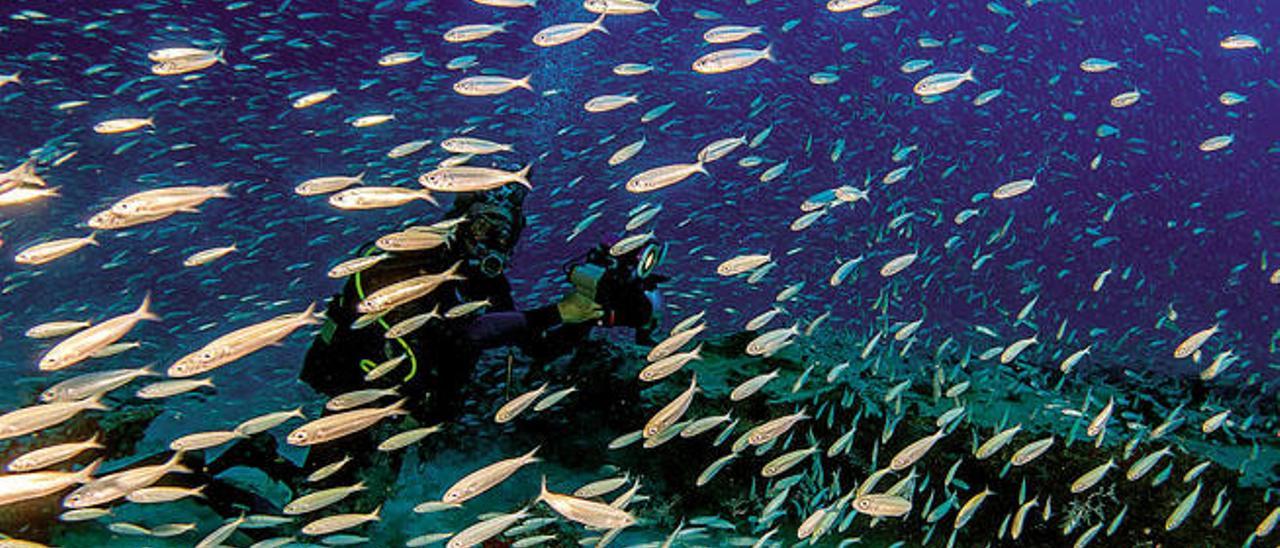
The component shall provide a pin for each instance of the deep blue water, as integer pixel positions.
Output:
(1195, 231)
(1187, 220)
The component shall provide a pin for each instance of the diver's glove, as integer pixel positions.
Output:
(577, 308)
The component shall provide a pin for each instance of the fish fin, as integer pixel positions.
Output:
(529, 457)
(95, 402)
(397, 408)
(174, 463)
(312, 318)
(452, 272)
(29, 172)
(522, 176)
(144, 310)
(524, 82)
(85, 475)
(220, 191)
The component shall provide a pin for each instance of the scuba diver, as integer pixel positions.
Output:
(437, 360)
(612, 286)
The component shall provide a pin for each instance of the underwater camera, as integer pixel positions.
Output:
(624, 286)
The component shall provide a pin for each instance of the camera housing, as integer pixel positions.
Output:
(624, 286)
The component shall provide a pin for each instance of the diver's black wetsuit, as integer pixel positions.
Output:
(434, 378)
(441, 354)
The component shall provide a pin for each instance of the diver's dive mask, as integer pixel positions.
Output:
(490, 237)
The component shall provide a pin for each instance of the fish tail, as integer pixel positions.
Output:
(85, 475)
(92, 239)
(220, 55)
(144, 310)
(524, 82)
(542, 494)
(425, 194)
(310, 317)
(522, 176)
(397, 408)
(220, 191)
(452, 272)
(767, 53)
(528, 457)
(598, 24)
(95, 403)
(375, 512)
(968, 74)
(654, 8)
(175, 463)
(28, 172)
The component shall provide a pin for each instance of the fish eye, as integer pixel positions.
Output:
(207, 355)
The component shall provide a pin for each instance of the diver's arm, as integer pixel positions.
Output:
(540, 327)
(511, 327)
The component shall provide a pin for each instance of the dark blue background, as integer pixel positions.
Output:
(1191, 217)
